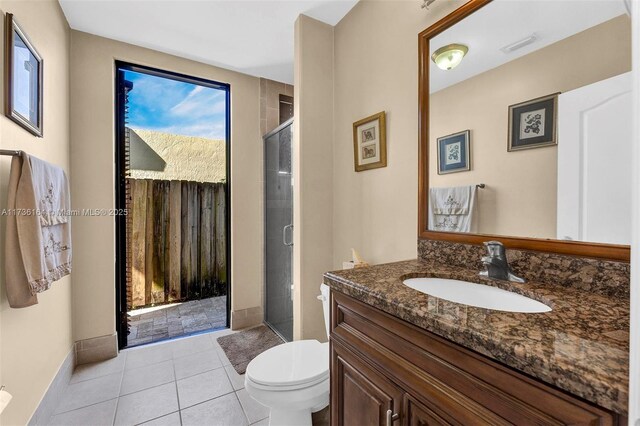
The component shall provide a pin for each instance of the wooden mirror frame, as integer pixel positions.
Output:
(576, 248)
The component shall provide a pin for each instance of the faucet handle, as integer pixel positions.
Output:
(495, 248)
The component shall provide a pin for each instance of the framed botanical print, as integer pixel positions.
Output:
(23, 78)
(454, 153)
(532, 124)
(370, 142)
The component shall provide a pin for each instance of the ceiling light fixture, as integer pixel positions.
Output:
(450, 56)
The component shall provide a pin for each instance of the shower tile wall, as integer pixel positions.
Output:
(270, 92)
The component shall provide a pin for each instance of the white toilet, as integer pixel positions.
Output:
(292, 379)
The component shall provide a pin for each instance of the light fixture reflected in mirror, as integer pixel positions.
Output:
(450, 56)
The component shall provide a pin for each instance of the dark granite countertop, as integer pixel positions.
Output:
(581, 346)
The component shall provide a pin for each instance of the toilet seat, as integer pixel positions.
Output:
(290, 366)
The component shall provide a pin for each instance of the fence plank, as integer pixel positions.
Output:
(148, 247)
(206, 217)
(220, 240)
(138, 240)
(175, 230)
(166, 226)
(194, 213)
(185, 241)
(157, 290)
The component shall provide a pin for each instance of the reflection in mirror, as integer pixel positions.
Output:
(538, 110)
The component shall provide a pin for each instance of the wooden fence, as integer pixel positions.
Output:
(178, 241)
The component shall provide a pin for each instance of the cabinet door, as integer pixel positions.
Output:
(417, 414)
(359, 394)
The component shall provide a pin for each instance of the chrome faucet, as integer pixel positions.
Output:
(496, 264)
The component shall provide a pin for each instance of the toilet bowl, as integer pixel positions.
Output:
(292, 379)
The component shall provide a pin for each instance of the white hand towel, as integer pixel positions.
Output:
(452, 209)
(454, 200)
(38, 238)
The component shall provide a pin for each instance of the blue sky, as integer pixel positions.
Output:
(175, 107)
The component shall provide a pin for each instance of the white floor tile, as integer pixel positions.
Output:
(263, 422)
(138, 379)
(196, 389)
(142, 357)
(252, 408)
(95, 415)
(237, 380)
(200, 362)
(98, 369)
(191, 345)
(172, 419)
(90, 392)
(223, 411)
(147, 405)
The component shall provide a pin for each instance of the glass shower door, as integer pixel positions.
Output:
(279, 230)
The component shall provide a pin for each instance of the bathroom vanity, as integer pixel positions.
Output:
(402, 356)
(399, 357)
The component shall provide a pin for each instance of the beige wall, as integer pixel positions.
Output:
(520, 197)
(312, 172)
(159, 155)
(376, 69)
(92, 159)
(36, 340)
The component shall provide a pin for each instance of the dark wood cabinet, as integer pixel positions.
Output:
(364, 396)
(417, 414)
(385, 371)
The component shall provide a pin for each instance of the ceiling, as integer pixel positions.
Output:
(503, 22)
(252, 37)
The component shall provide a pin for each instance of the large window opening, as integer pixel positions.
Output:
(172, 154)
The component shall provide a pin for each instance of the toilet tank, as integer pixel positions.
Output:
(324, 297)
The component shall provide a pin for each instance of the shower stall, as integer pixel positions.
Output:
(278, 220)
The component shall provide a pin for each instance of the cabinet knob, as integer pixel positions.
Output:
(391, 417)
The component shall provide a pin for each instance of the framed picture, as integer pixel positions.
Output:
(454, 153)
(370, 142)
(532, 124)
(23, 78)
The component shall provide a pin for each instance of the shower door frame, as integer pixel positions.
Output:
(278, 129)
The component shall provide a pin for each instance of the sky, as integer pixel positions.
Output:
(171, 106)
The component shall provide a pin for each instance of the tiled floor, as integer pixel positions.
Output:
(178, 319)
(185, 381)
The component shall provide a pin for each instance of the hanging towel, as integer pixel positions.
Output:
(452, 209)
(38, 238)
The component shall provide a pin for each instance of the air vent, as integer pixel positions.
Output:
(519, 44)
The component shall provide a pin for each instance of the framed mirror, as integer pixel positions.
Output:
(23, 78)
(542, 93)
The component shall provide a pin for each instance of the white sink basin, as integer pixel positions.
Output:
(478, 295)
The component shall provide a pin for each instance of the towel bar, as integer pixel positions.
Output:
(481, 185)
(10, 152)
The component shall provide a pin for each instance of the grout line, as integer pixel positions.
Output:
(175, 377)
(197, 374)
(211, 399)
(156, 418)
(244, 411)
(115, 413)
(84, 406)
(150, 387)
(96, 377)
(124, 355)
